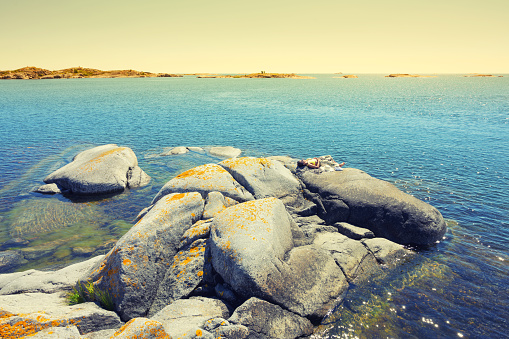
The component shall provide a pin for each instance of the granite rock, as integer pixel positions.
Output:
(183, 316)
(204, 179)
(253, 250)
(132, 270)
(266, 320)
(100, 170)
(355, 197)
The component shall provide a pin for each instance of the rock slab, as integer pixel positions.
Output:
(100, 170)
(355, 197)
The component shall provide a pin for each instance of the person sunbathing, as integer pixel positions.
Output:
(313, 163)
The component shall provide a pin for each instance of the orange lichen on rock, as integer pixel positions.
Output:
(204, 172)
(24, 327)
(247, 162)
(126, 262)
(89, 166)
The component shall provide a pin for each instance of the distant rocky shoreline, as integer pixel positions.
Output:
(35, 73)
(245, 248)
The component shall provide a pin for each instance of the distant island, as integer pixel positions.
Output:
(348, 76)
(26, 73)
(400, 75)
(261, 75)
(477, 75)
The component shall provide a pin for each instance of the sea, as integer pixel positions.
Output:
(443, 139)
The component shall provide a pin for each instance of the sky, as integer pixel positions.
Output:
(245, 36)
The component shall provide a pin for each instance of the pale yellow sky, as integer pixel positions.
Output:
(234, 36)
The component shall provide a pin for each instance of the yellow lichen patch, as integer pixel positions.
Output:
(20, 329)
(90, 165)
(126, 262)
(200, 273)
(246, 162)
(5, 314)
(199, 333)
(203, 172)
(174, 197)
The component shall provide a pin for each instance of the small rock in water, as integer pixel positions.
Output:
(225, 152)
(49, 189)
(10, 260)
(15, 242)
(176, 151)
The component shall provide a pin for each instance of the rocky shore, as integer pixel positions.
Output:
(245, 248)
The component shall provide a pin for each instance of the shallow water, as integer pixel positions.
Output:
(444, 140)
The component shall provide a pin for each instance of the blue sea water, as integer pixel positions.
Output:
(444, 140)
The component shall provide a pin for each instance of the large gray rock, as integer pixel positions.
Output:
(46, 282)
(141, 328)
(132, 270)
(266, 320)
(189, 268)
(28, 313)
(102, 169)
(252, 251)
(264, 178)
(183, 316)
(351, 255)
(355, 197)
(204, 179)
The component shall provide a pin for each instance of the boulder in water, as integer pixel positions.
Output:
(100, 170)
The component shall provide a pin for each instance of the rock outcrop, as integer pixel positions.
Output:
(205, 179)
(132, 270)
(100, 170)
(247, 248)
(357, 198)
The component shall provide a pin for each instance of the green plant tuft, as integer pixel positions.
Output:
(84, 292)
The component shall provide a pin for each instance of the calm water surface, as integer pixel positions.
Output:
(444, 140)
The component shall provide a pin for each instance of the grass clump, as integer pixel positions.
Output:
(86, 291)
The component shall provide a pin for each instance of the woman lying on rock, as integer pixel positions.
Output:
(311, 163)
(327, 163)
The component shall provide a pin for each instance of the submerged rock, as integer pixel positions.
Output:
(100, 170)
